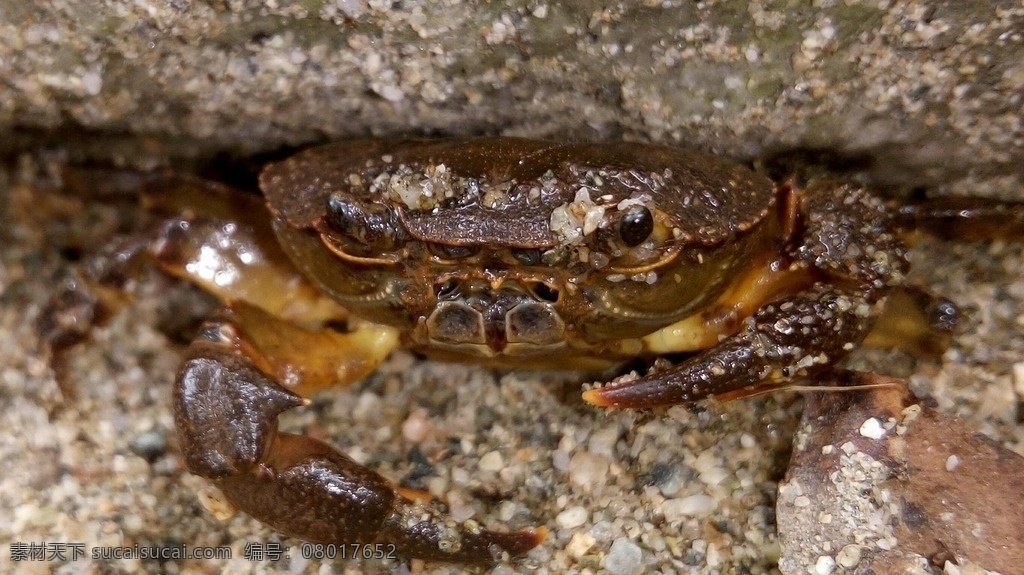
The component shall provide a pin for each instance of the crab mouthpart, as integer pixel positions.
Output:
(471, 314)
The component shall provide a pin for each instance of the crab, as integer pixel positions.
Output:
(505, 251)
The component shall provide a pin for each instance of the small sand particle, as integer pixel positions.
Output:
(588, 468)
(824, 565)
(492, 461)
(680, 508)
(848, 556)
(952, 462)
(872, 429)
(416, 426)
(623, 558)
(580, 544)
(572, 517)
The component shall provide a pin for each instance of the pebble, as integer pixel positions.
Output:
(623, 558)
(848, 556)
(587, 468)
(602, 441)
(713, 557)
(506, 511)
(560, 460)
(825, 565)
(492, 461)
(572, 517)
(580, 544)
(367, 407)
(602, 531)
(149, 445)
(707, 461)
(459, 509)
(952, 462)
(667, 478)
(416, 426)
(747, 441)
(678, 509)
(713, 476)
(872, 429)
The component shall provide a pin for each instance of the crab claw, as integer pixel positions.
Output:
(226, 414)
(796, 337)
(724, 368)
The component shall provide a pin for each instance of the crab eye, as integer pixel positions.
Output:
(636, 226)
(372, 226)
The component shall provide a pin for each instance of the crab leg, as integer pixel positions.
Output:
(226, 408)
(795, 337)
(915, 321)
(765, 281)
(200, 241)
(970, 219)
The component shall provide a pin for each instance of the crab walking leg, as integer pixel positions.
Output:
(230, 261)
(795, 337)
(214, 237)
(303, 361)
(915, 321)
(230, 251)
(970, 219)
(765, 281)
(85, 299)
(226, 408)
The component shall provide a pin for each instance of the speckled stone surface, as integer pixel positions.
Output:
(920, 94)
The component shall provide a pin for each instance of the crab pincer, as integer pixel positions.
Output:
(226, 413)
